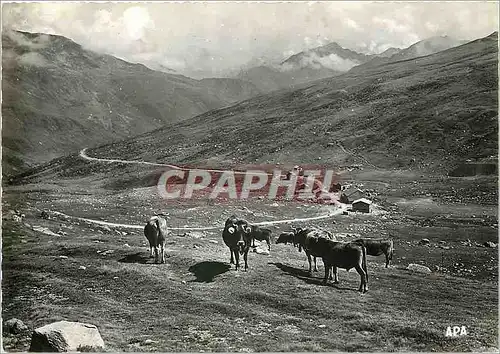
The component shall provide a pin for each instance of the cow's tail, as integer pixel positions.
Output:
(161, 236)
(364, 261)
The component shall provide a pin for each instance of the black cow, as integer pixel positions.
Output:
(237, 236)
(335, 255)
(300, 237)
(286, 237)
(261, 234)
(376, 247)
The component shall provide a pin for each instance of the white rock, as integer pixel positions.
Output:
(419, 268)
(65, 336)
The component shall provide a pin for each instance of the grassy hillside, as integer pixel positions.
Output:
(59, 97)
(268, 79)
(430, 113)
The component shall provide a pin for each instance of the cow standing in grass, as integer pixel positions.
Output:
(237, 236)
(376, 247)
(300, 237)
(286, 237)
(261, 234)
(156, 233)
(336, 255)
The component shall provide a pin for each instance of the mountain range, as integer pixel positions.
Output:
(331, 60)
(59, 97)
(430, 114)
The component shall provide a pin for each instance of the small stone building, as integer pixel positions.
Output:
(362, 205)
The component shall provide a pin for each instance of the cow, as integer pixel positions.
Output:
(156, 233)
(336, 255)
(261, 234)
(376, 247)
(237, 236)
(286, 237)
(300, 236)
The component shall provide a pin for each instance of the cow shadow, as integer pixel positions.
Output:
(206, 271)
(135, 258)
(303, 275)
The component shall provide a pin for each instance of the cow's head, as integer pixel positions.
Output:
(241, 231)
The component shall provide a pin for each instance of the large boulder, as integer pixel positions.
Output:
(64, 336)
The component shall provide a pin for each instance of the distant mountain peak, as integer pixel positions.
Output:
(331, 56)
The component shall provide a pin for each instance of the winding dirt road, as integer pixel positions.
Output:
(83, 154)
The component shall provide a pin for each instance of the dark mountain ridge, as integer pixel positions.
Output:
(431, 114)
(59, 97)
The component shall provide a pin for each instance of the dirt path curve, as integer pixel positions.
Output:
(83, 154)
(201, 228)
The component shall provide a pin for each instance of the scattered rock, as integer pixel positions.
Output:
(66, 336)
(345, 212)
(444, 247)
(322, 326)
(14, 326)
(196, 234)
(107, 252)
(490, 244)
(213, 241)
(45, 231)
(82, 267)
(106, 229)
(424, 241)
(419, 268)
(442, 242)
(126, 245)
(261, 251)
(63, 257)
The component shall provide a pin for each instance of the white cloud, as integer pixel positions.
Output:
(186, 34)
(33, 59)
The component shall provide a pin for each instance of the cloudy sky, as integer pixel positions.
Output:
(217, 38)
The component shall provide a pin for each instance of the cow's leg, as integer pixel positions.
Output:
(232, 259)
(335, 271)
(245, 257)
(327, 271)
(268, 245)
(162, 253)
(151, 250)
(156, 254)
(363, 287)
(237, 259)
(387, 260)
(330, 273)
(315, 265)
(310, 263)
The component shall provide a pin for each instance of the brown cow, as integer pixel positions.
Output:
(376, 247)
(261, 234)
(336, 255)
(300, 236)
(156, 233)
